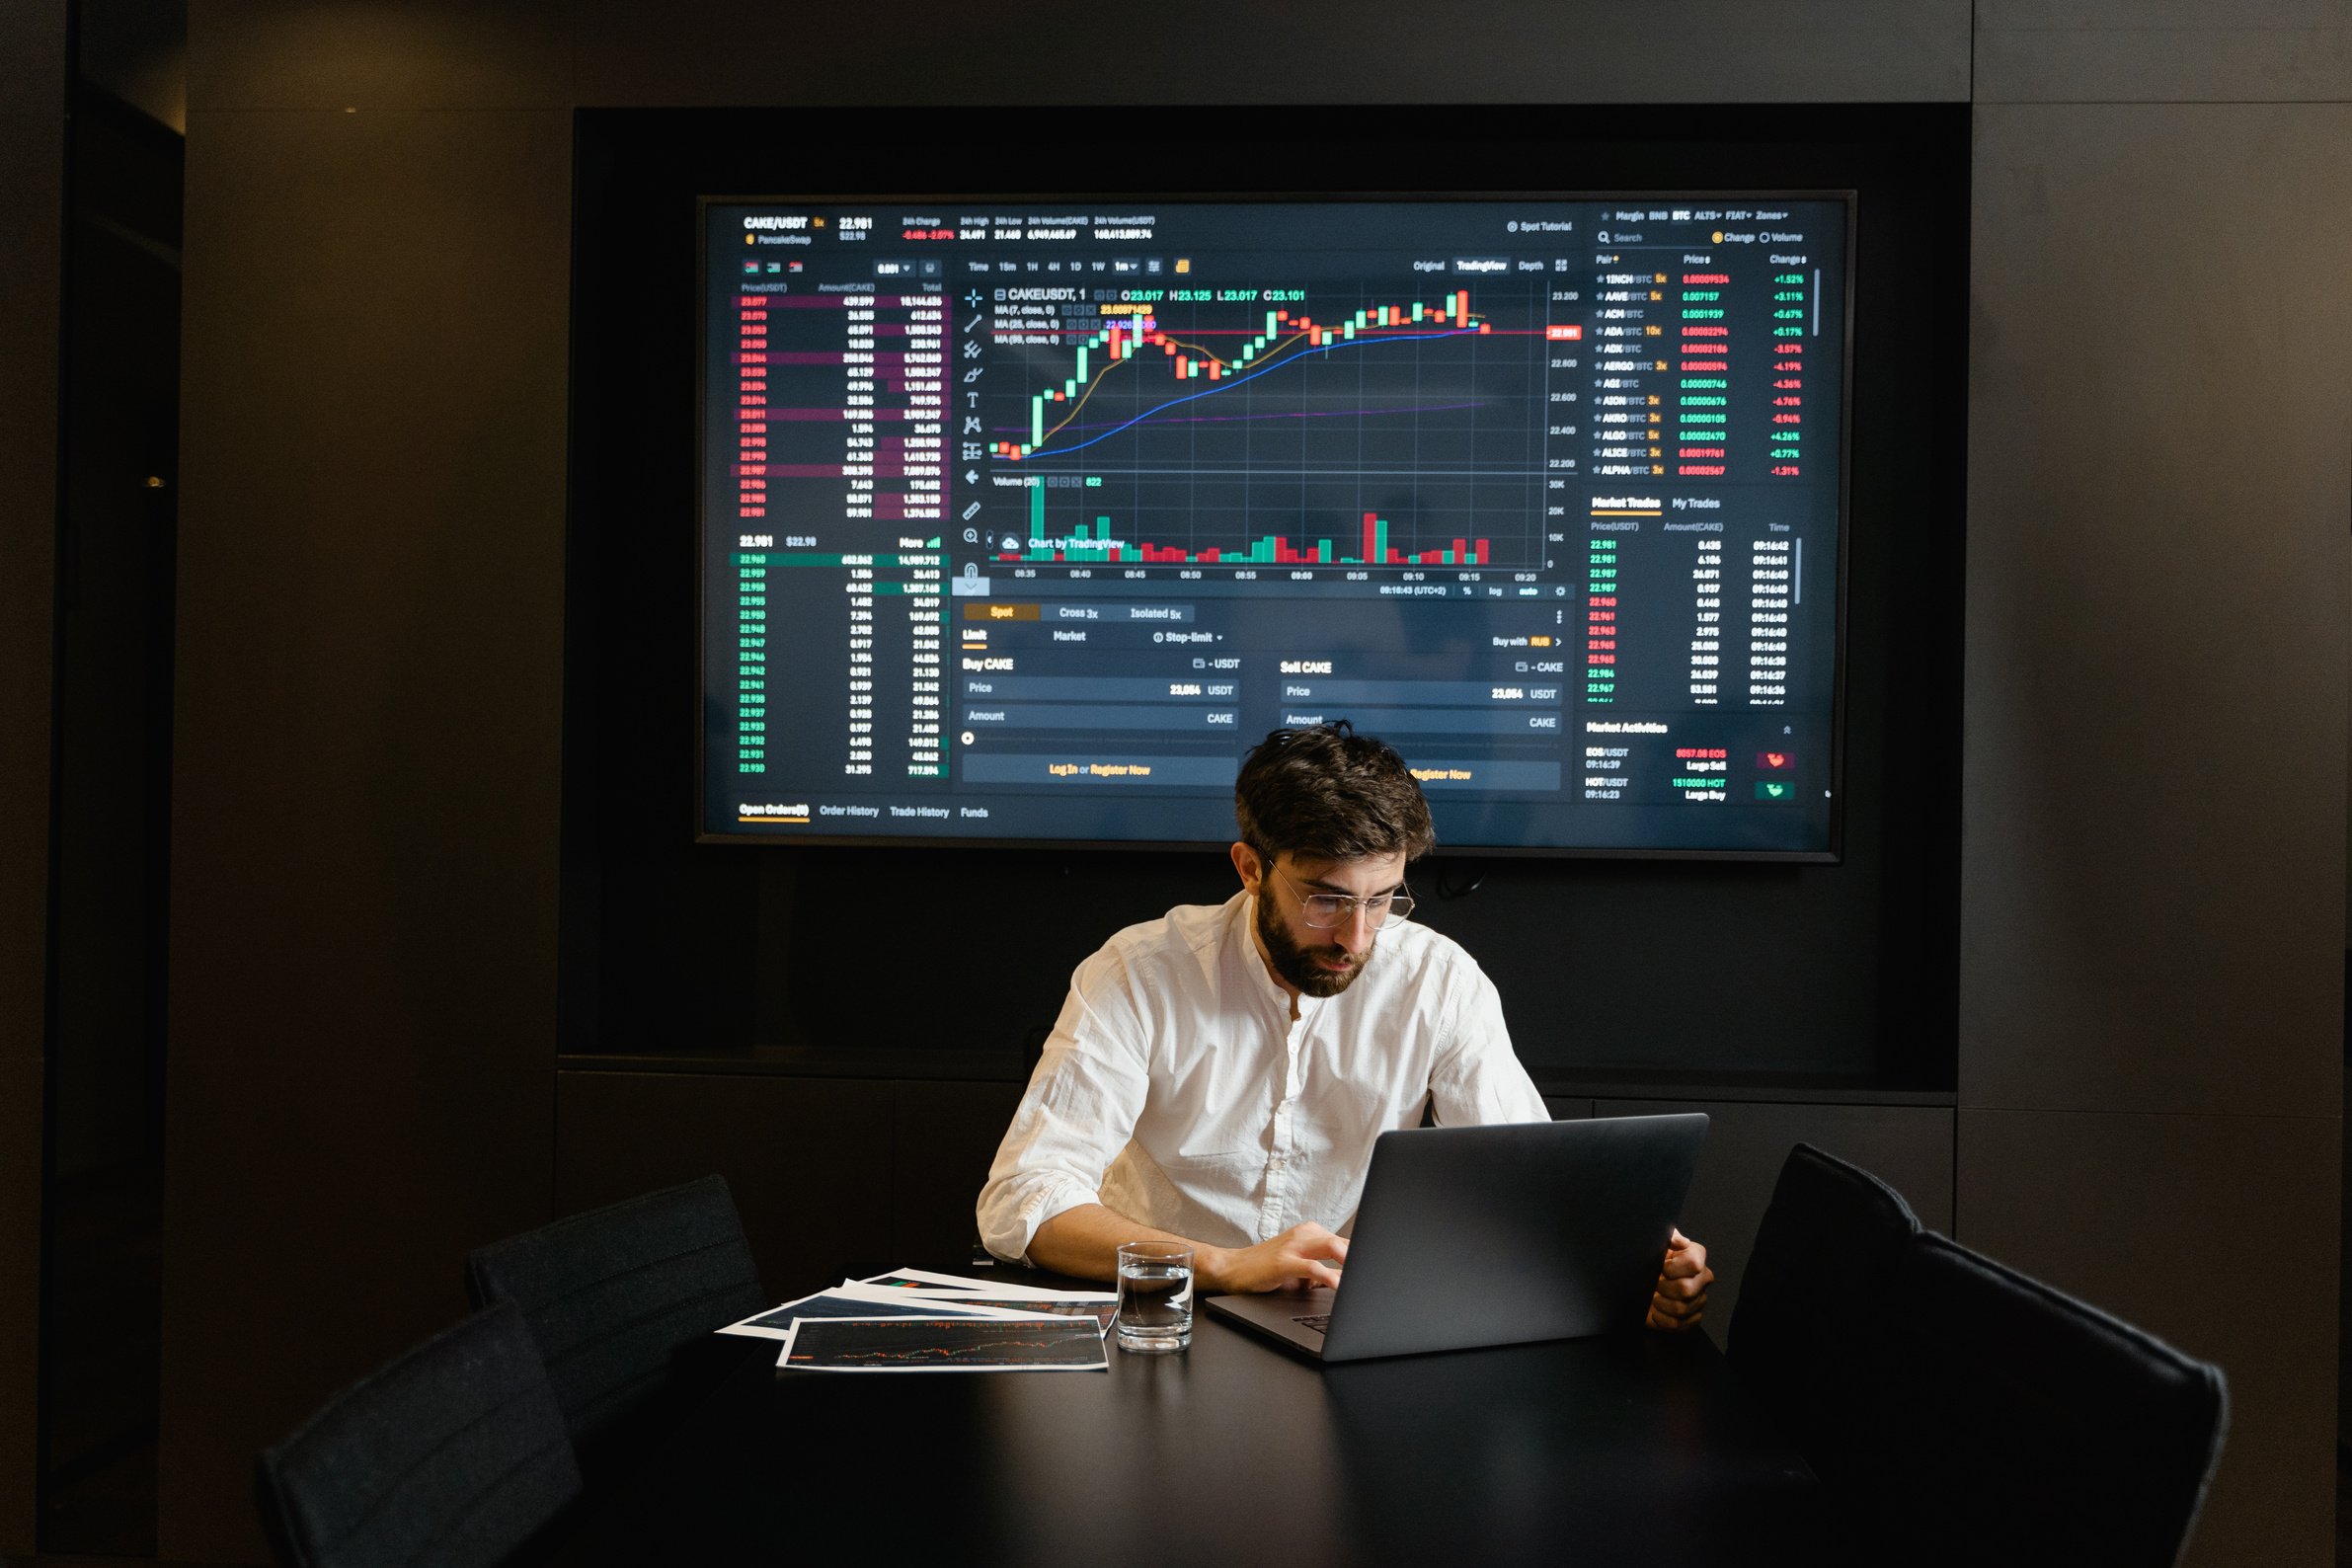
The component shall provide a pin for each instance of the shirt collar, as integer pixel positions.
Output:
(1245, 933)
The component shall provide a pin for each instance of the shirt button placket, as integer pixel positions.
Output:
(1285, 1140)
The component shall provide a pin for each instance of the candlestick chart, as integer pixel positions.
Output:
(1270, 426)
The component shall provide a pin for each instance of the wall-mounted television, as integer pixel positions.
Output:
(1023, 517)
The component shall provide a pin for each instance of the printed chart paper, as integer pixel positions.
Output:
(1104, 1312)
(943, 1344)
(776, 1322)
(947, 1286)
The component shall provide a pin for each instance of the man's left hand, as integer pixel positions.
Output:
(1683, 1281)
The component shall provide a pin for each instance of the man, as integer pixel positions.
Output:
(1217, 1077)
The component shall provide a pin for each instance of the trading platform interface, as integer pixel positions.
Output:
(1026, 522)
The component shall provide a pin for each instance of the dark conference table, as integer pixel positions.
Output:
(1631, 1447)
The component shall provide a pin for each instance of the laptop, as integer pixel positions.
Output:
(1493, 1235)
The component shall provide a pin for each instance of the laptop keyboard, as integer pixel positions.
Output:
(1321, 1322)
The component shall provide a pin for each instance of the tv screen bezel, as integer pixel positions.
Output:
(1831, 854)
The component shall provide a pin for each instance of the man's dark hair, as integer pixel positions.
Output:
(1330, 794)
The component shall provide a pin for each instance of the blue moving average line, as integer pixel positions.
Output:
(1301, 413)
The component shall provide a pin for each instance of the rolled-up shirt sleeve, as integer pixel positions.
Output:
(1477, 1079)
(1078, 1113)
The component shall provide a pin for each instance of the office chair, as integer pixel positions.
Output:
(622, 1301)
(1955, 1410)
(1796, 1338)
(2026, 1426)
(452, 1456)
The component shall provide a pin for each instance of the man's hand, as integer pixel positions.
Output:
(1682, 1282)
(1300, 1257)
(1084, 1241)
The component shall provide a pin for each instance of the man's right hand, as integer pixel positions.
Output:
(1300, 1257)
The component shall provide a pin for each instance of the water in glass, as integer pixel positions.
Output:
(1155, 1297)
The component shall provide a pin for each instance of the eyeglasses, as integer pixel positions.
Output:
(1323, 911)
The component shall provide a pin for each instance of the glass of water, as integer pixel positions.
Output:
(1155, 1297)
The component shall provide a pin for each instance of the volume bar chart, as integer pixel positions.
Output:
(1097, 544)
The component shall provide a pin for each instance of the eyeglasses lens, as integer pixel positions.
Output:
(1327, 909)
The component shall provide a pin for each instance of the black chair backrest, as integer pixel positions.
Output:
(2032, 1428)
(1799, 1336)
(622, 1301)
(1957, 1411)
(452, 1456)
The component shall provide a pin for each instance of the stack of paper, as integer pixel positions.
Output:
(915, 1320)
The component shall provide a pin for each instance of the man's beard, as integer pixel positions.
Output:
(1298, 964)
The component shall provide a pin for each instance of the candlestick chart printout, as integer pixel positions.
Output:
(1025, 522)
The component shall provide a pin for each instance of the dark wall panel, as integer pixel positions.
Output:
(946, 1135)
(809, 1159)
(33, 84)
(1909, 1147)
(33, 80)
(2216, 1234)
(364, 849)
(424, 54)
(740, 51)
(2160, 434)
(2171, 50)
(2153, 898)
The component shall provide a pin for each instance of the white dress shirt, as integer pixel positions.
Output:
(1176, 1091)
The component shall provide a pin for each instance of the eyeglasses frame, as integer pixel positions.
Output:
(1355, 902)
